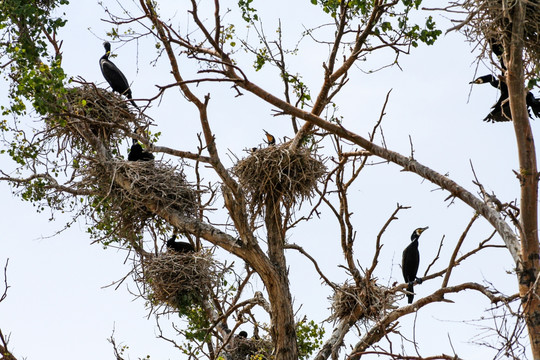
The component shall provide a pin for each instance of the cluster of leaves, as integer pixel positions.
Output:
(198, 324)
(249, 14)
(356, 7)
(309, 337)
(395, 25)
(27, 30)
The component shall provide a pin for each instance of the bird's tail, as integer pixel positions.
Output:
(130, 97)
(410, 289)
(133, 103)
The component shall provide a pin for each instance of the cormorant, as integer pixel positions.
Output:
(533, 103)
(410, 262)
(243, 334)
(179, 246)
(271, 140)
(498, 50)
(501, 110)
(113, 75)
(138, 154)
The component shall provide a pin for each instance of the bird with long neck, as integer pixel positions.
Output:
(116, 79)
(410, 262)
(501, 110)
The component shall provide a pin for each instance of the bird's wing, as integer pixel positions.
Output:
(410, 262)
(534, 104)
(114, 76)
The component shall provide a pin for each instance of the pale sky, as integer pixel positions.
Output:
(58, 305)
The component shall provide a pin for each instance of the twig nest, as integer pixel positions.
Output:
(491, 21)
(279, 172)
(178, 280)
(102, 112)
(251, 348)
(123, 213)
(369, 301)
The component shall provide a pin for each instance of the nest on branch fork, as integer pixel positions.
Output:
(251, 348)
(278, 172)
(124, 209)
(369, 301)
(178, 280)
(490, 20)
(85, 111)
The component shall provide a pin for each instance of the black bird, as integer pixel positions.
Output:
(501, 110)
(138, 154)
(271, 140)
(243, 334)
(498, 50)
(410, 262)
(116, 79)
(533, 104)
(179, 246)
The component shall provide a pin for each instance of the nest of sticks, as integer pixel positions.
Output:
(490, 22)
(122, 212)
(178, 280)
(279, 172)
(252, 348)
(369, 301)
(86, 110)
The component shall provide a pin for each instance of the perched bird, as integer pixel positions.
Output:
(138, 154)
(243, 334)
(410, 262)
(113, 75)
(179, 246)
(501, 110)
(270, 139)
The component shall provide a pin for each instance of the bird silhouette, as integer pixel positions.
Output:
(410, 262)
(501, 110)
(179, 246)
(116, 79)
(136, 153)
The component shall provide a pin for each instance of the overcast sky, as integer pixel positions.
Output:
(58, 305)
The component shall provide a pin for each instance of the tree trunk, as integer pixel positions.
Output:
(528, 177)
(283, 325)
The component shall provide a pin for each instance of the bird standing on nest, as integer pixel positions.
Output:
(138, 154)
(270, 139)
(179, 246)
(116, 79)
(410, 263)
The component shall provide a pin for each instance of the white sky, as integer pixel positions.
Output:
(57, 306)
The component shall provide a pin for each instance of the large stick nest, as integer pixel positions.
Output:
(178, 280)
(279, 172)
(148, 182)
(369, 301)
(242, 349)
(490, 21)
(87, 109)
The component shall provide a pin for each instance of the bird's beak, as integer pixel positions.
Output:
(424, 229)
